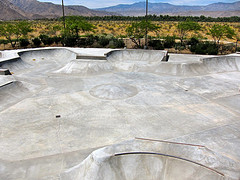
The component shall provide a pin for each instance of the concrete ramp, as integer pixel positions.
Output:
(136, 55)
(13, 91)
(136, 60)
(147, 159)
(116, 60)
(59, 55)
(68, 62)
(31, 59)
(211, 65)
(15, 64)
(86, 67)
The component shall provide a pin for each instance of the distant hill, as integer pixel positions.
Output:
(213, 14)
(213, 10)
(33, 9)
(9, 12)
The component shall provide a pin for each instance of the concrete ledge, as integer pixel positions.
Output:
(6, 80)
(5, 72)
(92, 57)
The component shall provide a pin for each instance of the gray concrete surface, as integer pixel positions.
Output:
(188, 99)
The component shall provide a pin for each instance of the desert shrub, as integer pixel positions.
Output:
(122, 36)
(156, 44)
(193, 41)
(46, 40)
(103, 41)
(90, 40)
(36, 42)
(24, 42)
(205, 48)
(118, 43)
(56, 39)
(69, 40)
(86, 41)
(81, 42)
(3, 41)
(179, 46)
(227, 48)
(200, 49)
(169, 42)
(212, 50)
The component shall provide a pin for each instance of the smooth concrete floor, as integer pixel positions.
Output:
(35, 144)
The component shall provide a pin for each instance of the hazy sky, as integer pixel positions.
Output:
(105, 3)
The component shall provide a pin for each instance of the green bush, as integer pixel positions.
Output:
(36, 42)
(81, 42)
(200, 49)
(56, 39)
(118, 43)
(212, 50)
(103, 41)
(46, 40)
(3, 41)
(24, 42)
(205, 48)
(193, 41)
(90, 40)
(228, 48)
(69, 40)
(169, 42)
(156, 44)
(179, 46)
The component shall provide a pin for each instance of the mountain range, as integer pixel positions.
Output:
(214, 10)
(33, 9)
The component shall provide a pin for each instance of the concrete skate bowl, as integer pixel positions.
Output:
(29, 59)
(205, 66)
(144, 160)
(136, 60)
(59, 56)
(116, 60)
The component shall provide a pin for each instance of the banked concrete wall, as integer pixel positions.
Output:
(28, 58)
(205, 66)
(120, 61)
(148, 160)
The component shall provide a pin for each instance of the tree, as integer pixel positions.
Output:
(75, 24)
(185, 27)
(138, 30)
(14, 31)
(218, 32)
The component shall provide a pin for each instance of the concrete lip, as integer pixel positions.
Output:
(55, 110)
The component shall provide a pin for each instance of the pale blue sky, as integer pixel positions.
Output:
(106, 3)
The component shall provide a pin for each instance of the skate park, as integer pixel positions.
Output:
(82, 113)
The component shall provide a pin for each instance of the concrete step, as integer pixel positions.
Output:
(92, 57)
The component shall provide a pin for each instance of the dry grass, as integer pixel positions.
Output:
(117, 28)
